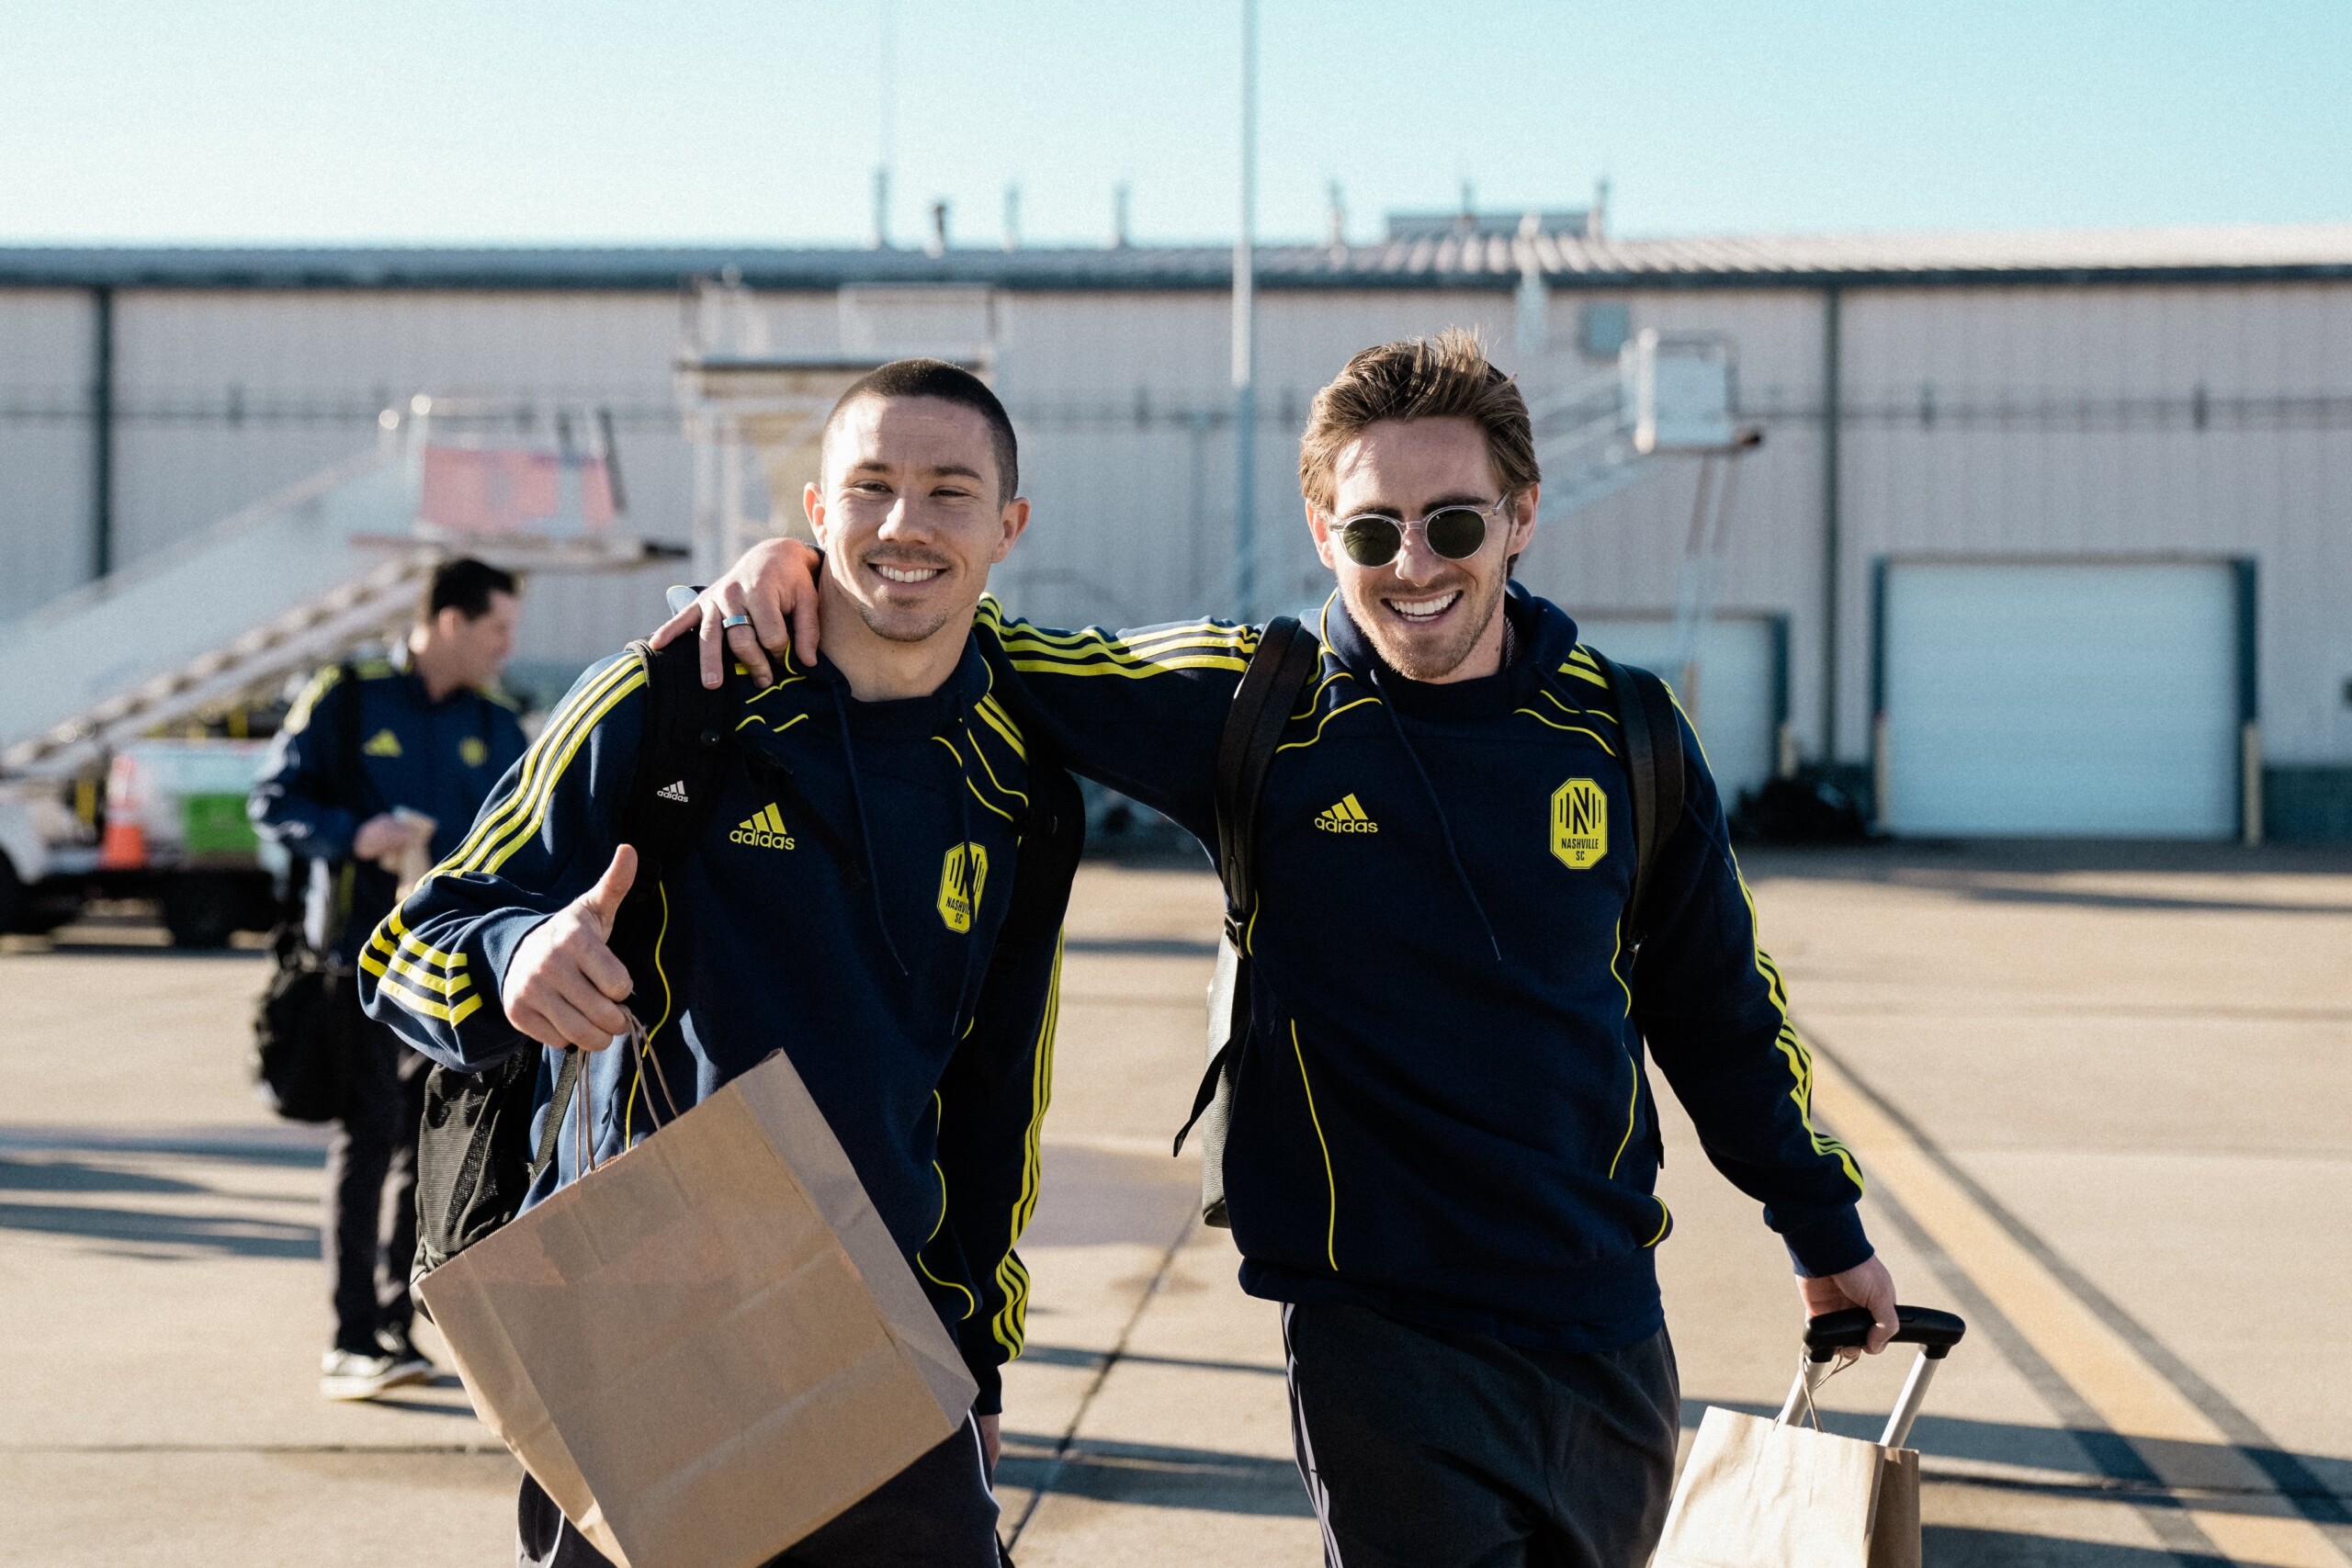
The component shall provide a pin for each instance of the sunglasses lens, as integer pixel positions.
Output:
(1457, 532)
(1371, 541)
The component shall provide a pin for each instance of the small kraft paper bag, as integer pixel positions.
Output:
(708, 1346)
(1762, 1493)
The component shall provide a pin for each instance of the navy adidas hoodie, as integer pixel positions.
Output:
(1443, 1109)
(863, 943)
(440, 758)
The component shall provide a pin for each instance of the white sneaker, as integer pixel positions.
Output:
(347, 1374)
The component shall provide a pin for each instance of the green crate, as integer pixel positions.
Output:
(215, 825)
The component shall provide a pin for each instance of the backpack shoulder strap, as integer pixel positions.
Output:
(1053, 839)
(686, 729)
(350, 767)
(1653, 765)
(1286, 658)
(678, 755)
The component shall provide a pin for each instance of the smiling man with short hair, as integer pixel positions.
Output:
(881, 803)
(1442, 1145)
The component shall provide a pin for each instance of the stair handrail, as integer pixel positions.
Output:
(98, 590)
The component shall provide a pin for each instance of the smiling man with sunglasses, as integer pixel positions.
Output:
(1442, 1146)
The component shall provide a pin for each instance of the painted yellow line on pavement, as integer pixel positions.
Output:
(2130, 1395)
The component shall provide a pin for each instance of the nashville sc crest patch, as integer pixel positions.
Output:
(1580, 823)
(961, 879)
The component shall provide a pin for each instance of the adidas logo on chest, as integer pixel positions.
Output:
(763, 829)
(1347, 817)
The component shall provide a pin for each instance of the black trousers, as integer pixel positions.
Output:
(939, 1512)
(1429, 1449)
(370, 1238)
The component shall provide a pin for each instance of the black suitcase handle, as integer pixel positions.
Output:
(1934, 1332)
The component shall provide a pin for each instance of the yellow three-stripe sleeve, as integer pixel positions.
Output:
(1011, 1324)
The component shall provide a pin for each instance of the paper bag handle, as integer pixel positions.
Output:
(641, 1046)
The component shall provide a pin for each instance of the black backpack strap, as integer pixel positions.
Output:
(1654, 766)
(688, 727)
(1053, 840)
(350, 767)
(1285, 660)
(351, 780)
(679, 752)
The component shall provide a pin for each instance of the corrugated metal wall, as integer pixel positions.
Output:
(46, 338)
(2212, 420)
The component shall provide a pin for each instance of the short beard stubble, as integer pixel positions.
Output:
(1483, 601)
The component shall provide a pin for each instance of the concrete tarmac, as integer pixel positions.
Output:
(2103, 1095)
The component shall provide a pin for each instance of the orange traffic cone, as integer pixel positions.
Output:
(123, 847)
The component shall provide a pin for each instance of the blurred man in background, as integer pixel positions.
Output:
(379, 768)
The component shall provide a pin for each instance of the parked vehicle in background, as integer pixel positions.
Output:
(168, 825)
(175, 830)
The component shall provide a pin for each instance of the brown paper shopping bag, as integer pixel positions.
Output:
(1760, 1493)
(709, 1346)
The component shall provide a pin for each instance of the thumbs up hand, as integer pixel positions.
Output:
(563, 985)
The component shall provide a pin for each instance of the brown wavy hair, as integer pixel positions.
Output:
(1446, 376)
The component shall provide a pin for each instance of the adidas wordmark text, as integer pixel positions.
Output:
(763, 829)
(1347, 817)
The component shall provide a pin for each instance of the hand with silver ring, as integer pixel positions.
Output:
(767, 600)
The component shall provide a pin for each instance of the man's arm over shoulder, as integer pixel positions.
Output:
(1140, 711)
(1716, 1012)
(299, 800)
(433, 971)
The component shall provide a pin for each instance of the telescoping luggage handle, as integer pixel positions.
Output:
(1934, 1332)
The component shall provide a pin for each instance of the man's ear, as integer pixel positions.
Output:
(1316, 526)
(1016, 523)
(812, 502)
(1523, 518)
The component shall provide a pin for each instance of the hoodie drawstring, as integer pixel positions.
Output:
(1444, 828)
(864, 828)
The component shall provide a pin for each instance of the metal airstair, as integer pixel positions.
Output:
(300, 578)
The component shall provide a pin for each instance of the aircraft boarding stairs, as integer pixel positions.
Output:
(304, 577)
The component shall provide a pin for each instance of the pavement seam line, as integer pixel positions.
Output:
(2288, 1473)
(1060, 1456)
(2129, 1392)
(2121, 1467)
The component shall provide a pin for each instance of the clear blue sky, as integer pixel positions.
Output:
(522, 120)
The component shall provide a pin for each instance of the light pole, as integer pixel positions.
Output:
(1245, 348)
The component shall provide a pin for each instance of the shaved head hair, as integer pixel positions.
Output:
(949, 384)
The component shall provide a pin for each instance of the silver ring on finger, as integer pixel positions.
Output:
(733, 621)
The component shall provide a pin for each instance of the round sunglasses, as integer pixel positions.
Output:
(1453, 532)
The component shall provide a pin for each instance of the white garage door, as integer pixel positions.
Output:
(2089, 700)
(1737, 706)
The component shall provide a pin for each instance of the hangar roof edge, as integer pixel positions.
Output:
(2250, 252)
